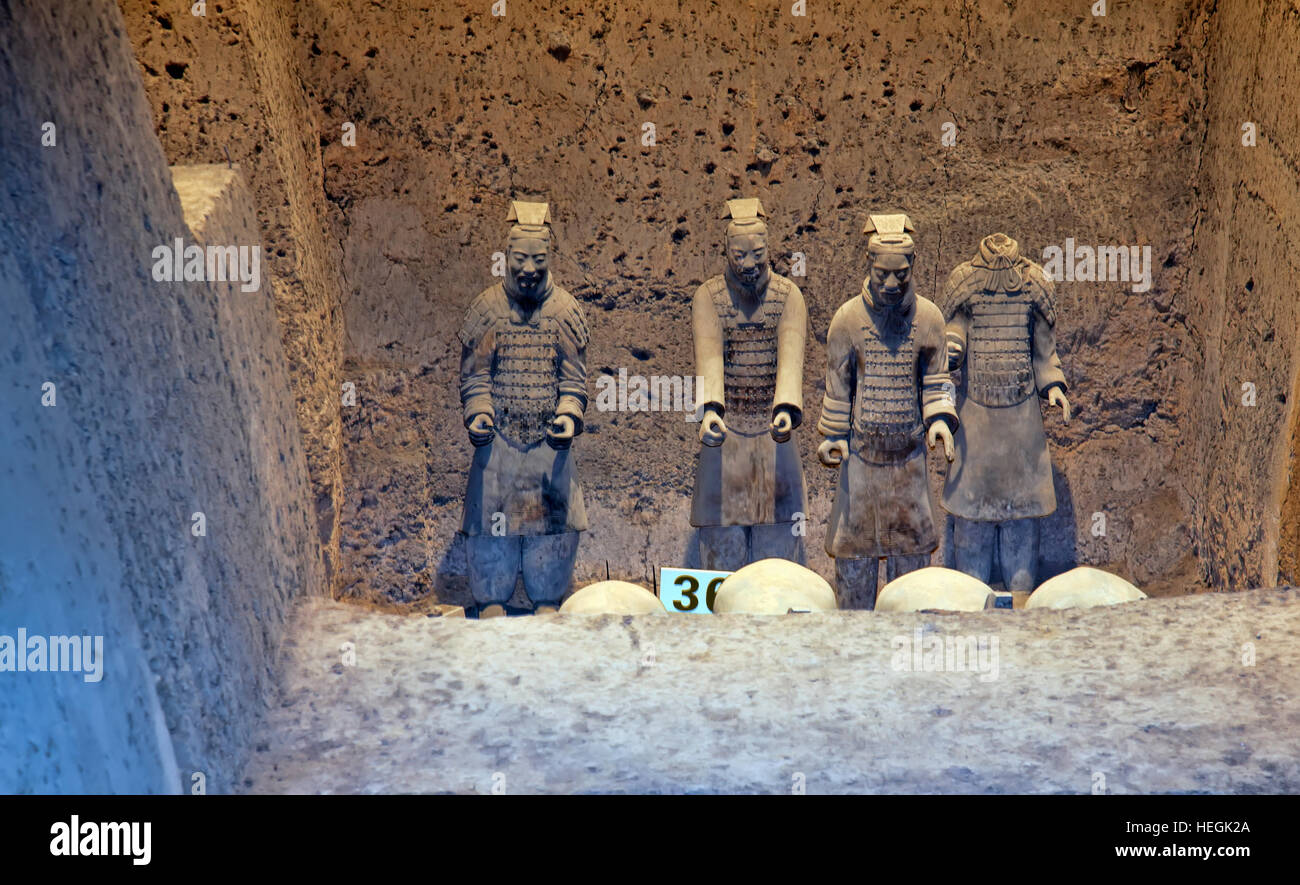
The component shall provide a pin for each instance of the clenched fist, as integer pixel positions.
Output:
(712, 430)
(560, 434)
(939, 430)
(481, 429)
(782, 425)
(833, 451)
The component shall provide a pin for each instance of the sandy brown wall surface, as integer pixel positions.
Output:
(1120, 130)
(1067, 126)
(225, 87)
(132, 404)
(1243, 301)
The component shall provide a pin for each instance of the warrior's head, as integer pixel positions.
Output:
(747, 259)
(528, 248)
(891, 252)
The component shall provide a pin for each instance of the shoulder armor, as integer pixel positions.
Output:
(480, 315)
(957, 290)
(1043, 291)
(569, 314)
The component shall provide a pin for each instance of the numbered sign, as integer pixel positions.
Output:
(689, 590)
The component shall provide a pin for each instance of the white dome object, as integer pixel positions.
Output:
(1083, 587)
(612, 598)
(934, 588)
(773, 587)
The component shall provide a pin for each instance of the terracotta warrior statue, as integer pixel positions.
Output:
(1000, 314)
(888, 395)
(523, 385)
(749, 327)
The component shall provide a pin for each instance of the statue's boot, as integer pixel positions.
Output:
(973, 544)
(548, 568)
(1018, 553)
(724, 548)
(855, 581)
(781, 540)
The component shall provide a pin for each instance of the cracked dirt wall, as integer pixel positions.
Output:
(1068, 126)
(225, 87)
(1243, 306)
(1115, 130)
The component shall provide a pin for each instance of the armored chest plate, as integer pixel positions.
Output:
(749, 354)
(1000, 363)
(886, 405)
(525, 389)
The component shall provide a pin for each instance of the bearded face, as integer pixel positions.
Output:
(526, 262)
(890, 274)
(747, 258)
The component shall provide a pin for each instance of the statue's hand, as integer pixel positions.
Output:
(955, 353)
(560, 433)
(712, 430)
(1056, 398)
(481, 429)
(939, 430)
(833, 451)
(782, 425)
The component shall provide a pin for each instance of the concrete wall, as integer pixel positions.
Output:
(171, 399)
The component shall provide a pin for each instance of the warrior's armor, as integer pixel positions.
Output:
(1000, 324)
(749, 355)
(523, 386)
(749, 325)
(1000, 362)
(887, 382)
(886, 409)
(527, 374)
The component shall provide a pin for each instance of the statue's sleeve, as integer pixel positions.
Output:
(937, 399)
(478, 341)
(791, 331)
(1047, 364)
(955, 339)
(707, 331)
(573, 341)
(957, 316)
(837, 404)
